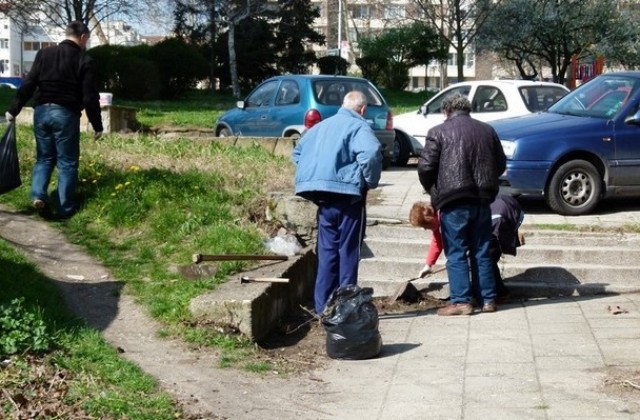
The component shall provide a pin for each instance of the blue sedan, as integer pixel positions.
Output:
(584, 148)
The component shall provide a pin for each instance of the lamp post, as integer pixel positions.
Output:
(339, 28)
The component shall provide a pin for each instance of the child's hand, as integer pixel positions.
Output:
(425, 270)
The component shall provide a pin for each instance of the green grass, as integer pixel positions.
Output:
(99, 382)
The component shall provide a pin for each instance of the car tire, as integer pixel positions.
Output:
(224, 132)
(402, 150)
(574, 189)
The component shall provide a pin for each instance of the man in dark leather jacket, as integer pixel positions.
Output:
(62, 81)
(459, 167)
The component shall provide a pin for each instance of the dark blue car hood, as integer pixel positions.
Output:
(518, 127)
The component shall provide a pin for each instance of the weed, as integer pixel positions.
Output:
(22, 329)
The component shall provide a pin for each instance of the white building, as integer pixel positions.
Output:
(344, 21)
(18, 48)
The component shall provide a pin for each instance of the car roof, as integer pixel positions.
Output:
(507, 82)
(314, 77)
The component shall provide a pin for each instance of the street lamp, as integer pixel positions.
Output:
(339, 28)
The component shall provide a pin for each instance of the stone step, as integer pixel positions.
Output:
(529, 253)
(532, 234)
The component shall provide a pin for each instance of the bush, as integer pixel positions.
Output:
(333, 64)
(180, 66)
(22, 329)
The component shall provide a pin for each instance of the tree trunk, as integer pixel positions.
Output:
(233, 65)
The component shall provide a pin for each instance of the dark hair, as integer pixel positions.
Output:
(76, 29)
(456, 102)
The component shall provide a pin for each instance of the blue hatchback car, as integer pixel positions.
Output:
(285, 106)
(584, 148)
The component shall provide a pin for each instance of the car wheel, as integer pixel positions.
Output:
(401, 150)
(225, 132)
(574, 188)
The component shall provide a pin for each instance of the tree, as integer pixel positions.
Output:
(294, 32)
(401, 48)
(61, 12)
(458, 21)
(552, 31)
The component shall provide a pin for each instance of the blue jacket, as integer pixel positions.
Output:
(338, 155)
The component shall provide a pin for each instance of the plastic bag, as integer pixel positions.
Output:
(284, 245)
(351, 323)
(9, 164)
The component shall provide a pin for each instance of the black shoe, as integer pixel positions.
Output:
(42, 208)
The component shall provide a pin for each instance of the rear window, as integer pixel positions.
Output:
(331, 92)
(539, 98)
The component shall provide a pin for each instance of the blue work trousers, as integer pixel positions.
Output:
(340, 233)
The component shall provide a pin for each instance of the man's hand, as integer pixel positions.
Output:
(97, 135)
(425, 270)
(9, 117)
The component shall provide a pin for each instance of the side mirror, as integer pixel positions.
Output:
(241, 105)
(423, 110)
(633, 119)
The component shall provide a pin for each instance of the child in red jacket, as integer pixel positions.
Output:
(506, 218)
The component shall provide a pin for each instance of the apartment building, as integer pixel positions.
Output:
(344, 22)
(19, 46)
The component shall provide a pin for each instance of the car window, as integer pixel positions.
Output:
(435, 106)
(331, 92)
(539, 98)
(601, 97)
(262, 95)
(288, 93)
(489, 99)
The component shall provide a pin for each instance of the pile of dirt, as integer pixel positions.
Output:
(299, 344)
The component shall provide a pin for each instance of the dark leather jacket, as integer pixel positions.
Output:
(461, 162)
(62, 75)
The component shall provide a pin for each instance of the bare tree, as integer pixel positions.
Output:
(234, 12)
(457, 21)
(60, 12)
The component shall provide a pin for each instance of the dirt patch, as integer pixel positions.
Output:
(299, 343)
(623, 383)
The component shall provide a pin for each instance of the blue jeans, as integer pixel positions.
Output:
(466, 237)
(57, 132)
(340, 233)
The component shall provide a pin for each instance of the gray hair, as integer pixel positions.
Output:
(455, 102)
(354, 100)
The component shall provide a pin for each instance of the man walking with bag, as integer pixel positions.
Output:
(62, 79)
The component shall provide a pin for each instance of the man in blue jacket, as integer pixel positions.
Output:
(62, 81)
(337, 162)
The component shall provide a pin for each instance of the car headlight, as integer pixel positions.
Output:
(509, 147)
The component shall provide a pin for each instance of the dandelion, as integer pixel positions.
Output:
(119, 187)
(134, 168)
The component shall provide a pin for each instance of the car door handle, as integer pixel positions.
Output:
(606, 139)
(263, 117)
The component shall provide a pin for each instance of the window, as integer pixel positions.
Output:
(47, 44)
(263, 94)
(394, 11)
(4, 43)
(469, 58)
(435, 106)
(488, 99)
(4, 65)
(288, 94)
(31, 45)
(452, 59)
(360, 11)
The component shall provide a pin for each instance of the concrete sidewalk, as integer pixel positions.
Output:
(552, 358)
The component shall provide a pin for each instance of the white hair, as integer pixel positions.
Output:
(354, 100)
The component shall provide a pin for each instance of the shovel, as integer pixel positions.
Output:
(408, 292)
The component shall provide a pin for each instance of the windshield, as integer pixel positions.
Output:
(601, 97)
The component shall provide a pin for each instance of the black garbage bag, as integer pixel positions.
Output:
(9, 164)
(351, 323)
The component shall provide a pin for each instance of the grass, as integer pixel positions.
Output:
(87, 374)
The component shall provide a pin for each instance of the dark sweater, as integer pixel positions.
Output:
(62, 75)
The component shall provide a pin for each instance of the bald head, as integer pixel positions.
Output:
(355, 101)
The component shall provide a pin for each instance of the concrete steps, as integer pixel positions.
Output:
(551, 262)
